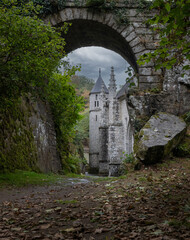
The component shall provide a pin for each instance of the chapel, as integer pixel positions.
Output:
(110, 131)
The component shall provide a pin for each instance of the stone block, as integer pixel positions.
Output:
(69, 13)
(98, 17)
(135, 41)
(90, 15)
(138, 48)
(127, 31)
(144, 86)
(143, 31)
(120, 29)
(76, 13)
(63, 15)
(107, 18)
(84, 13)
(149, 79)
(156, 72)
(145, 71)
(139, 25)
(137, 19)
(130, 37)
(162, 133)
(111, 22)
(132, 12)
(150, 45)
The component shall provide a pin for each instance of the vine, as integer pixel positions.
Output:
(121, 14)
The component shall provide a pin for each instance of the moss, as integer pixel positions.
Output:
(183, 149)
(156, 116)
(146, 138)
(139, 122)
(173, 143)
(155, 90)
(136, 142)
(186, 118)
(147, 125)
(17, 146)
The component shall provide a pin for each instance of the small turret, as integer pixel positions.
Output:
(98, 85)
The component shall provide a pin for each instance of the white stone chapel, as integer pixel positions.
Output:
(110, 131)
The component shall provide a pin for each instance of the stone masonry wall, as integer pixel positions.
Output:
(130, 41)
(174, 98)
(45, 137)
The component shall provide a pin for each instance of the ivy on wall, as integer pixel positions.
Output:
(17, 146)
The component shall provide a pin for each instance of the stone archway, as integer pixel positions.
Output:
(92, 28)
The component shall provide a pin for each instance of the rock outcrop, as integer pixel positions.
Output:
(160, 135)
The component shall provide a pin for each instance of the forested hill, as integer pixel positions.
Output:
(83, 86)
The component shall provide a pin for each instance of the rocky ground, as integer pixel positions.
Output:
(153, 203)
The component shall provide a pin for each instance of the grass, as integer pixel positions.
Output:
(24, 178)
(21, 178)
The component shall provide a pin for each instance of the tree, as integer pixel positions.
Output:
(29, 50)
(63, 100)
(173, 26)
(65, 106)
(30, 53)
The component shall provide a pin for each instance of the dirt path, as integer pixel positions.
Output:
(150, 204)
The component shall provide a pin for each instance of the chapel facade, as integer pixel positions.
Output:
(110, 131)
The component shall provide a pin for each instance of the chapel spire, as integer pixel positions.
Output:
(112, 85)
(98, 85)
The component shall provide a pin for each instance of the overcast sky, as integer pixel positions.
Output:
(93, 58)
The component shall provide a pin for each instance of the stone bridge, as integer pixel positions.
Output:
(96, 27)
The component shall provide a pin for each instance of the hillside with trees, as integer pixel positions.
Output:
(83, 86)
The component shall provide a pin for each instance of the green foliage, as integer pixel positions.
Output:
(155, 90)
(128, 158)
(29, 51)
(183, 149)
(25, 178)
(72, 163)
(82, 130)
(66, 106)
(17, 147)
(172, 24)
(49, 6)
(128, 162)
(82, 82)
(95, 3)
(139, 122)
(187, 118)
(130, 76)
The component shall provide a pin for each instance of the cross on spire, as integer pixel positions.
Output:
(99, 72)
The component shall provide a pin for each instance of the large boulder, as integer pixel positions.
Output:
(160, 135)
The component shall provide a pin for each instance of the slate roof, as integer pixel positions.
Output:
(98, 85)
(122, 91)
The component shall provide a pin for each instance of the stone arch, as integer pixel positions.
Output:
(93, 28)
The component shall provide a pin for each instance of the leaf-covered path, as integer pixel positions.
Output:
(149, 204)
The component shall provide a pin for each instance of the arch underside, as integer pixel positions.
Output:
(84, 33)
